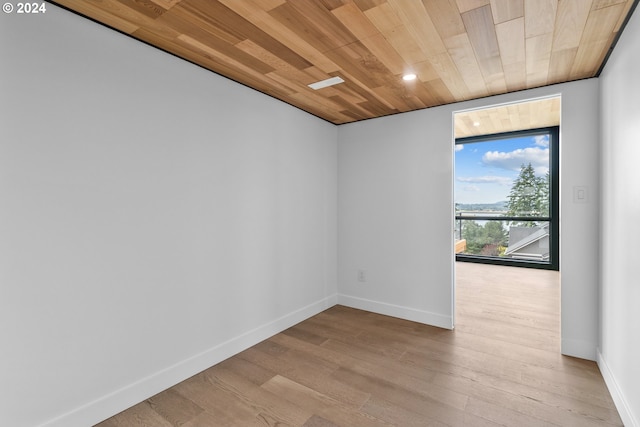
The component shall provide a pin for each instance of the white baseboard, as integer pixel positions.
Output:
(576, 348)
(616, 394)
(401, 312)
(117, 401)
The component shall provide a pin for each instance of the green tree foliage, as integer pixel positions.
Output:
(496, 233)
(529, 196)
(473, 233)
(485, 240)
(545, 195)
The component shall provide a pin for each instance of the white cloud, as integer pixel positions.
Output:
(471, 188)
(502, 180)
(537, 156)
(459, 147)
(541, 140)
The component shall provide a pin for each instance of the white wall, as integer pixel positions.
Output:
(395, 213)
(154, 219)
(620, 224)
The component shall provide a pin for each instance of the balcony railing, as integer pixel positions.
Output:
(496, 235)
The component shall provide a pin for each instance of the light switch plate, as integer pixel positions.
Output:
(580, 194)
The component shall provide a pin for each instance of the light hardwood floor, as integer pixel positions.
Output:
(346, 367)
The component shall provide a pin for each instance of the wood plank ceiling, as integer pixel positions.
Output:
(532, 114)
(459, 49)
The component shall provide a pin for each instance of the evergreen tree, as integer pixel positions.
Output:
(543, 191)
(529, 196)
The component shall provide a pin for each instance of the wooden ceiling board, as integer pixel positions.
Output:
(425, 71)
(354, 56)
(166, 4)
(345, 92)
(439, 91)
(511, 42)
(148, 8)
(540, 16)
(274, 28)
(399, 103)
(384, 17)
(466, 5)
(408, 49)
(450, 75)
(107, 16)
(317, 25)
(459, 49)
(506, 10)
(571, 19)
(596, 39)
(422, 93)
(416, 19)
(462, 53)
(355, 20)
(515, 77)
(538, 57)
(482, 33)
(599, 4)
(628, 5)
(560, 64)
(508, 118)
(380, 47)
(276, 62)
(365, 5)
(446, 17)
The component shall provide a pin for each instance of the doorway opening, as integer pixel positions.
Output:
(472, 128)
(506, 184)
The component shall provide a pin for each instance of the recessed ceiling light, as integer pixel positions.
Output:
(326, 83)
(476, 124)
(409, 77)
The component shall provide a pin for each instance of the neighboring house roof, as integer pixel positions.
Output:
(516, 248)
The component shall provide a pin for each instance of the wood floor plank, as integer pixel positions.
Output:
(545, 404)
(306, 335)
(174, 408)
(397, 415)
(589, 391)
(318, 421)
(430, 409)
(140, 415)
(253, 373)
(301, 368)
(319, 403)
(217, 400)
(416, 379)
(497, 330)
(347, 367)
(264, 404)
(504, 415)
(495, 312)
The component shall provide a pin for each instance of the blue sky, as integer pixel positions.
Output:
(485, 170)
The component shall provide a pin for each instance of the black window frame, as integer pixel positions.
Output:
(554, 202)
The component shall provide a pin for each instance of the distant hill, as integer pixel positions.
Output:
(498, 206)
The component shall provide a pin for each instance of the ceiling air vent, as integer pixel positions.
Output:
(326, 83)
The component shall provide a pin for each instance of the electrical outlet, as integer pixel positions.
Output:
(362, 277)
